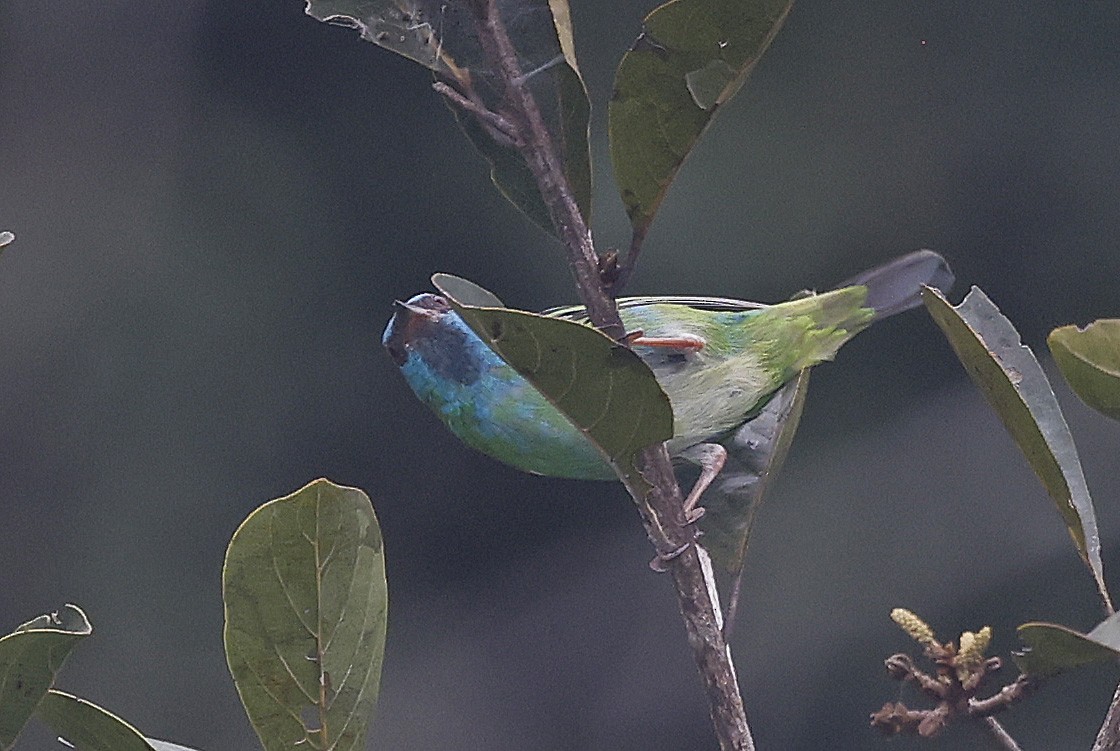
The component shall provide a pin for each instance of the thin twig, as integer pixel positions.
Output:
(498, 127)
(997, 736)
(1004, 699)
(662, 508)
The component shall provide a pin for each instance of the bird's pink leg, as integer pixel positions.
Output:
(710, 457)
(684, 341)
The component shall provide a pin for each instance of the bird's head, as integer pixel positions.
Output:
(418, 318)
(426, 332)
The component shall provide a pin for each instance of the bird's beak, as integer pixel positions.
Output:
(404, 307)
(408, 310)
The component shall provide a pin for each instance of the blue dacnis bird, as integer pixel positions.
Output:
(718, 360)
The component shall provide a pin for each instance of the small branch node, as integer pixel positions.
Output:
(1007, 696)
(499, 128)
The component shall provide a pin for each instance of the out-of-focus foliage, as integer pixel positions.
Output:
(1090, 361)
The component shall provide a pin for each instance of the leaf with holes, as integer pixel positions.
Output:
(1053, 649)
(306, 602)
(30, 658)
(601, 387)
(691, 57)
(446, 36)
(86, 726)
(1010, 377)
(1090, 361)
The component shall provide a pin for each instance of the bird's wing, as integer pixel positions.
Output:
(578, 313)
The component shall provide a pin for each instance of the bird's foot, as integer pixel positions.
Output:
(660, 562)
(710, 457)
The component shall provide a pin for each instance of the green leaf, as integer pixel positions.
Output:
(1053, 648)
(691, 57)
(1010, 377)
(1089, 359)
(30, 658)
(603, 388)
(88, 727)
(444, 36)
(466, 292)
(754, 457)
(306, 603)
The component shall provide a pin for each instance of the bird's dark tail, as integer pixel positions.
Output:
(896, 286)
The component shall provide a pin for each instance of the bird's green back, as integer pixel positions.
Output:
(748, 354)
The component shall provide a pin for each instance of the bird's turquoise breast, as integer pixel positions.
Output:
(494, 410)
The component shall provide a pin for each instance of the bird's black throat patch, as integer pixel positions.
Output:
(427, 327)
(446, 349)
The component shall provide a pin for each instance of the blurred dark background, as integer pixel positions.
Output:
(215, 204)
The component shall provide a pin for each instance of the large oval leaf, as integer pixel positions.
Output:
(1010, 377)
(444, 36)
(1090, 360)
(603, 388)
(88, 727)
(691, 57)
(306, 601)
(30, 658)
(1053, 649)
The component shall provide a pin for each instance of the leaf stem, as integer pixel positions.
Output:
(626, 270)
(662, 507)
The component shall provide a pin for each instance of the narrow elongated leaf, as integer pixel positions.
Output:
(444, 35)
(691, 57)
(30, 658)
(1053, 648)
(754, 457)
(1090, 360)
(306, 602)
(603, 388)
(88, 727)
(1010, 377)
